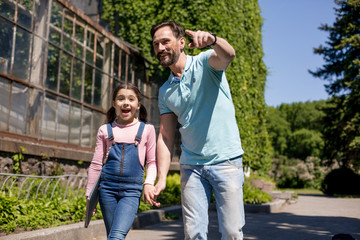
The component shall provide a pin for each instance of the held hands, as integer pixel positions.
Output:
(201, 39)
(150, 196)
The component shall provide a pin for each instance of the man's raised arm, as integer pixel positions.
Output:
(223, 51)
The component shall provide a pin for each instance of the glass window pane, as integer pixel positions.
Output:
(79, 49)
(34, 113)
(7, 9)
(123, 66)
(68, 23)
(89, 56)
(116, 82)
(52, 67)
(75, 123)
(106, 92)
(65, 73)
(130, 64)
(97, 89)
(100, 45)
(56, 14)
(54, 36)
(77, 79)
(62, 126)
(88, 84)
(116, 62)
(49, 117)
(67, 43)
(25, 9)
(90, 39)
(107, 60)
(4, 103)
(18, 108)
(98, 120)
(79, 31)
(86, 128)
(22, 50)
(139, 71)
(6, 35)
(99, 62)
(154, 112)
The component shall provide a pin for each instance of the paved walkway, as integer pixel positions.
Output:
(312, 217)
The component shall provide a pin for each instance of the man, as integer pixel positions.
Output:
(197, 95)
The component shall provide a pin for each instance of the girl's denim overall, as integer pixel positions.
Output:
(121, 186)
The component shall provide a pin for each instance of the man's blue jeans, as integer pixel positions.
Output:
(226, 179)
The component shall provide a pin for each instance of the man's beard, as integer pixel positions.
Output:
(173, 57)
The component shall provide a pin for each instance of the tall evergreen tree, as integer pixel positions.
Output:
(342, 71)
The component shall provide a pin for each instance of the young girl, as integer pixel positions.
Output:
(124, 142)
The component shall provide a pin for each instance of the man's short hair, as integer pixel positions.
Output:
(176, 28)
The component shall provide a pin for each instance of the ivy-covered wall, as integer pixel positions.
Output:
(239, 22)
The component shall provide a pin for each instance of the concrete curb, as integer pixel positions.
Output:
(96, 228)
(272, 207)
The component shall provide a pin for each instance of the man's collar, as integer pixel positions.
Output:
(189, 61)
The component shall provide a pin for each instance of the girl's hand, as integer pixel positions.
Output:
(149, 195)
(94, 212)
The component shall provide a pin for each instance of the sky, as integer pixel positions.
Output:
(290, 33)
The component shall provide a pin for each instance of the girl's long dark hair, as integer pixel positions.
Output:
(111, 113)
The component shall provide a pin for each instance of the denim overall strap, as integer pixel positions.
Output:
(110, 133)
(139, 133)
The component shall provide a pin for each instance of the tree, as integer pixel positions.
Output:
(279, 131)
(239, 22)
(342, 71)
(295, 129)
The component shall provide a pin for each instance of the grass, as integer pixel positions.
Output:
(303, 191)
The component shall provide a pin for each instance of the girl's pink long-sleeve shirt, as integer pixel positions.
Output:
(124, 134)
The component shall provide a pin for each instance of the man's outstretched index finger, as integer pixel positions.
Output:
(191, 34)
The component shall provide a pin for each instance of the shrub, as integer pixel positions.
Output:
(40, 213)
(296, 173)
(343, 181)
(172, 193)
(253, 195)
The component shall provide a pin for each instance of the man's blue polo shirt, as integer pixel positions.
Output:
(202, 102)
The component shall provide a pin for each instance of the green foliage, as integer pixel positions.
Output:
(237, 21)
(40, 213)
(253, 195)
(172, 193)
(343, 181)
(342, 70)
(56, 169)
(305, 142)
(296, 173)
(17, 158)
(18, 214)
(296, 129)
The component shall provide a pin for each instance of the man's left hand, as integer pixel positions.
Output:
(200, 39)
